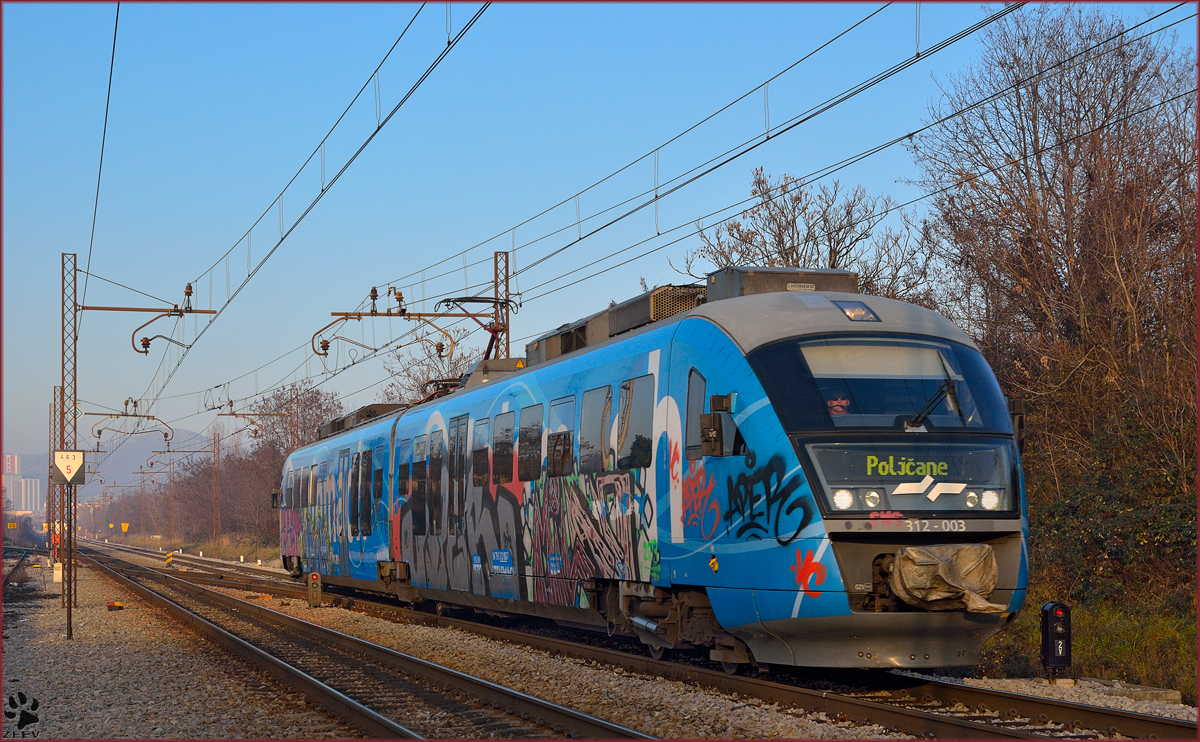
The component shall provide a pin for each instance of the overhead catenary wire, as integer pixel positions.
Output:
(100, 170)
(929, 194)
(795, 121)
(437, 61)
(183, 355)
(745, 147)
(850, 160)
(625, 167)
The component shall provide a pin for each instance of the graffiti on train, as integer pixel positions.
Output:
(559, 533)
(760, 502)
(701, 514)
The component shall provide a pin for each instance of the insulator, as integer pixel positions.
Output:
(187, 290)
(441, 347)
(145, 343)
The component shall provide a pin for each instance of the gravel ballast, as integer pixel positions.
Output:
(650, 704)
(135, 673)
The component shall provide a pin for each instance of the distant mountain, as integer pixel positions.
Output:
(118, 468)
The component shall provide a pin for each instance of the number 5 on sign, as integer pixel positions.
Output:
(68, 467)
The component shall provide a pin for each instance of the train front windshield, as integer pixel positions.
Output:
(852, 403)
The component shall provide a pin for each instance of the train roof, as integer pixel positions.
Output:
(759, 319)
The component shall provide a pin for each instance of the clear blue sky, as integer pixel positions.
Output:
(214, 107)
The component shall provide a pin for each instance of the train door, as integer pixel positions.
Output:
(420, 522)
(456, 505)
(376, 525)
(360, 481)
(320, 517)
(435, 551)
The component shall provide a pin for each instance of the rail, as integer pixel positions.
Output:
(513, 702)
(1011, 715)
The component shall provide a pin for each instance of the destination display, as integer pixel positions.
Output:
(904, 477)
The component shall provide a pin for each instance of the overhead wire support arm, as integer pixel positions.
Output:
(257, 428)
(167, 434)
(401, 312)
(175, 311)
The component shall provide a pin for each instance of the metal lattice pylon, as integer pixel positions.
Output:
(500, 282)
(70, 328)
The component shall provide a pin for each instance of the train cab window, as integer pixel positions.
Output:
(635, 423)
(529, 444)
(418, 487)
(479, 453)
(593, 430)
(695, 408)
(364, 493)
(403, 459)
(437, 458)
(502, 448)
(560, 439)
(353, 498)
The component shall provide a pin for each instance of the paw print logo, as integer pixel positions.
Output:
(18, 704)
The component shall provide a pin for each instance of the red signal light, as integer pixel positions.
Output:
(1060, 612)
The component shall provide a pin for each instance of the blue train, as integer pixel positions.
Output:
(771, 466)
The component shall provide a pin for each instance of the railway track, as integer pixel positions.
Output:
(20, 560)
(915, 706)
(383, 692)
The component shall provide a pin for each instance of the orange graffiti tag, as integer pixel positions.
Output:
(675, 468)
(808, 568)
(700, 508)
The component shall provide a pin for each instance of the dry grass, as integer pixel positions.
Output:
(1139, 642)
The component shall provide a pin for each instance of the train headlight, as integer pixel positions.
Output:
(990, 499)
(843, 499)
(871, 499)
(972, 499)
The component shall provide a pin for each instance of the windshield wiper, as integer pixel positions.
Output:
(945, 390)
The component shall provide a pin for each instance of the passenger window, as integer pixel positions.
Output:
(502, 448)
(418, 491)
(635, 423)
(455, 494)
(403, 455)
(479, 453)
(353, 499)
(364, 494)
(695, 408)
(287, 491)
(437, 456)
(593, 430)
(377, 482)
(326, 483)
(305, 492)
(529, 445)
(560, 438)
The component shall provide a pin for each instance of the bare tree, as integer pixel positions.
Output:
(793, 225)
(289, 416)
(414, 367)
(1067, 225)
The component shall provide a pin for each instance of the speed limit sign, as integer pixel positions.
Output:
(68, 467)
